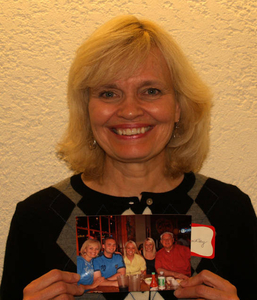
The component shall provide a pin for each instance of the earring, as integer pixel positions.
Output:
(92, 145)
(175, 130)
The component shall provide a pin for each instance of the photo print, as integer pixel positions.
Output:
(120, 253)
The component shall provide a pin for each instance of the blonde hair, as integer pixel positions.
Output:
(89, 242)
(152, 242)
(115, 50)
(130, 242)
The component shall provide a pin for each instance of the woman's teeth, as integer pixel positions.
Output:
(132, 131)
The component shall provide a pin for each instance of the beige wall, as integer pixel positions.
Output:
(38, 40)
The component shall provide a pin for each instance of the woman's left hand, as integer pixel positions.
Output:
(97, 281)
(206, 285)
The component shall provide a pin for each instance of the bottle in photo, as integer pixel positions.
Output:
(154, 284)
(161, 281)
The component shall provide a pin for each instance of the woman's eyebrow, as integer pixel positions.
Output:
(143, 83)
(105, 86)
(150, 82)
(155, 83)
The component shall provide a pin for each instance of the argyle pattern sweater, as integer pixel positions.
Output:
(42, 234)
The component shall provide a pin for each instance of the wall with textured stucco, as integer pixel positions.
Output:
(38, 41)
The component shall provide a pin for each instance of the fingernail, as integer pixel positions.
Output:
(76, 277)
(184, 282)
(177, 293)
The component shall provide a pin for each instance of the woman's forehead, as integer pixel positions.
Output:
(92, 245)
(153, 69)
(127, 67)
(148, 242)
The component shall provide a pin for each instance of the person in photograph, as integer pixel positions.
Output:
(140, 249)
(149, 252)
(89, 250)
(137, 137)
(173, 259)
(135, 263)
(109, 265)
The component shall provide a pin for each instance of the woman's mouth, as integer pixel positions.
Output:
(131, 131)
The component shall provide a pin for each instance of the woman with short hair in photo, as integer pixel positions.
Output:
(89, 250)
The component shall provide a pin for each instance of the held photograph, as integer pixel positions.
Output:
(133, 253)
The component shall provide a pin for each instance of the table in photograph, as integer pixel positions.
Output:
(112, 289)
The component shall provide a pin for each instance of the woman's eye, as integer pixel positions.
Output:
(107, 94)
(152, 91)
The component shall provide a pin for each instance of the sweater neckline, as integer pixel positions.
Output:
(176, 201)
(186, 184)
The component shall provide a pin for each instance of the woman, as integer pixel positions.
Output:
(138, 133)
(135, 263)
(149, 252)
(89, 250)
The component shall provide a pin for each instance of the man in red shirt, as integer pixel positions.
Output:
(173, 259)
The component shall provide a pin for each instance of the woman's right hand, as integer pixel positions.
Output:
(56, 285)
(206, 286)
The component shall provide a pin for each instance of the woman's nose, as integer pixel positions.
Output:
(130, 108)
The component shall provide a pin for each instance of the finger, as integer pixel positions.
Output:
(56, 290)
(62, 297)
(181, 276)
(210, 279)
(49, 278)
(204, 292)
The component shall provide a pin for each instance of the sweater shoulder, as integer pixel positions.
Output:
(220, 188)
(59, 198)
(46, 196)
(222, 198)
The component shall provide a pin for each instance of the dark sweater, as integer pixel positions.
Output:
(42, 233)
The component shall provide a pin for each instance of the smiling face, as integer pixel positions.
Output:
(109, 247)
(167, 241)
(130, 250)
(132, 119)
(91, 251)
(148, 246)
